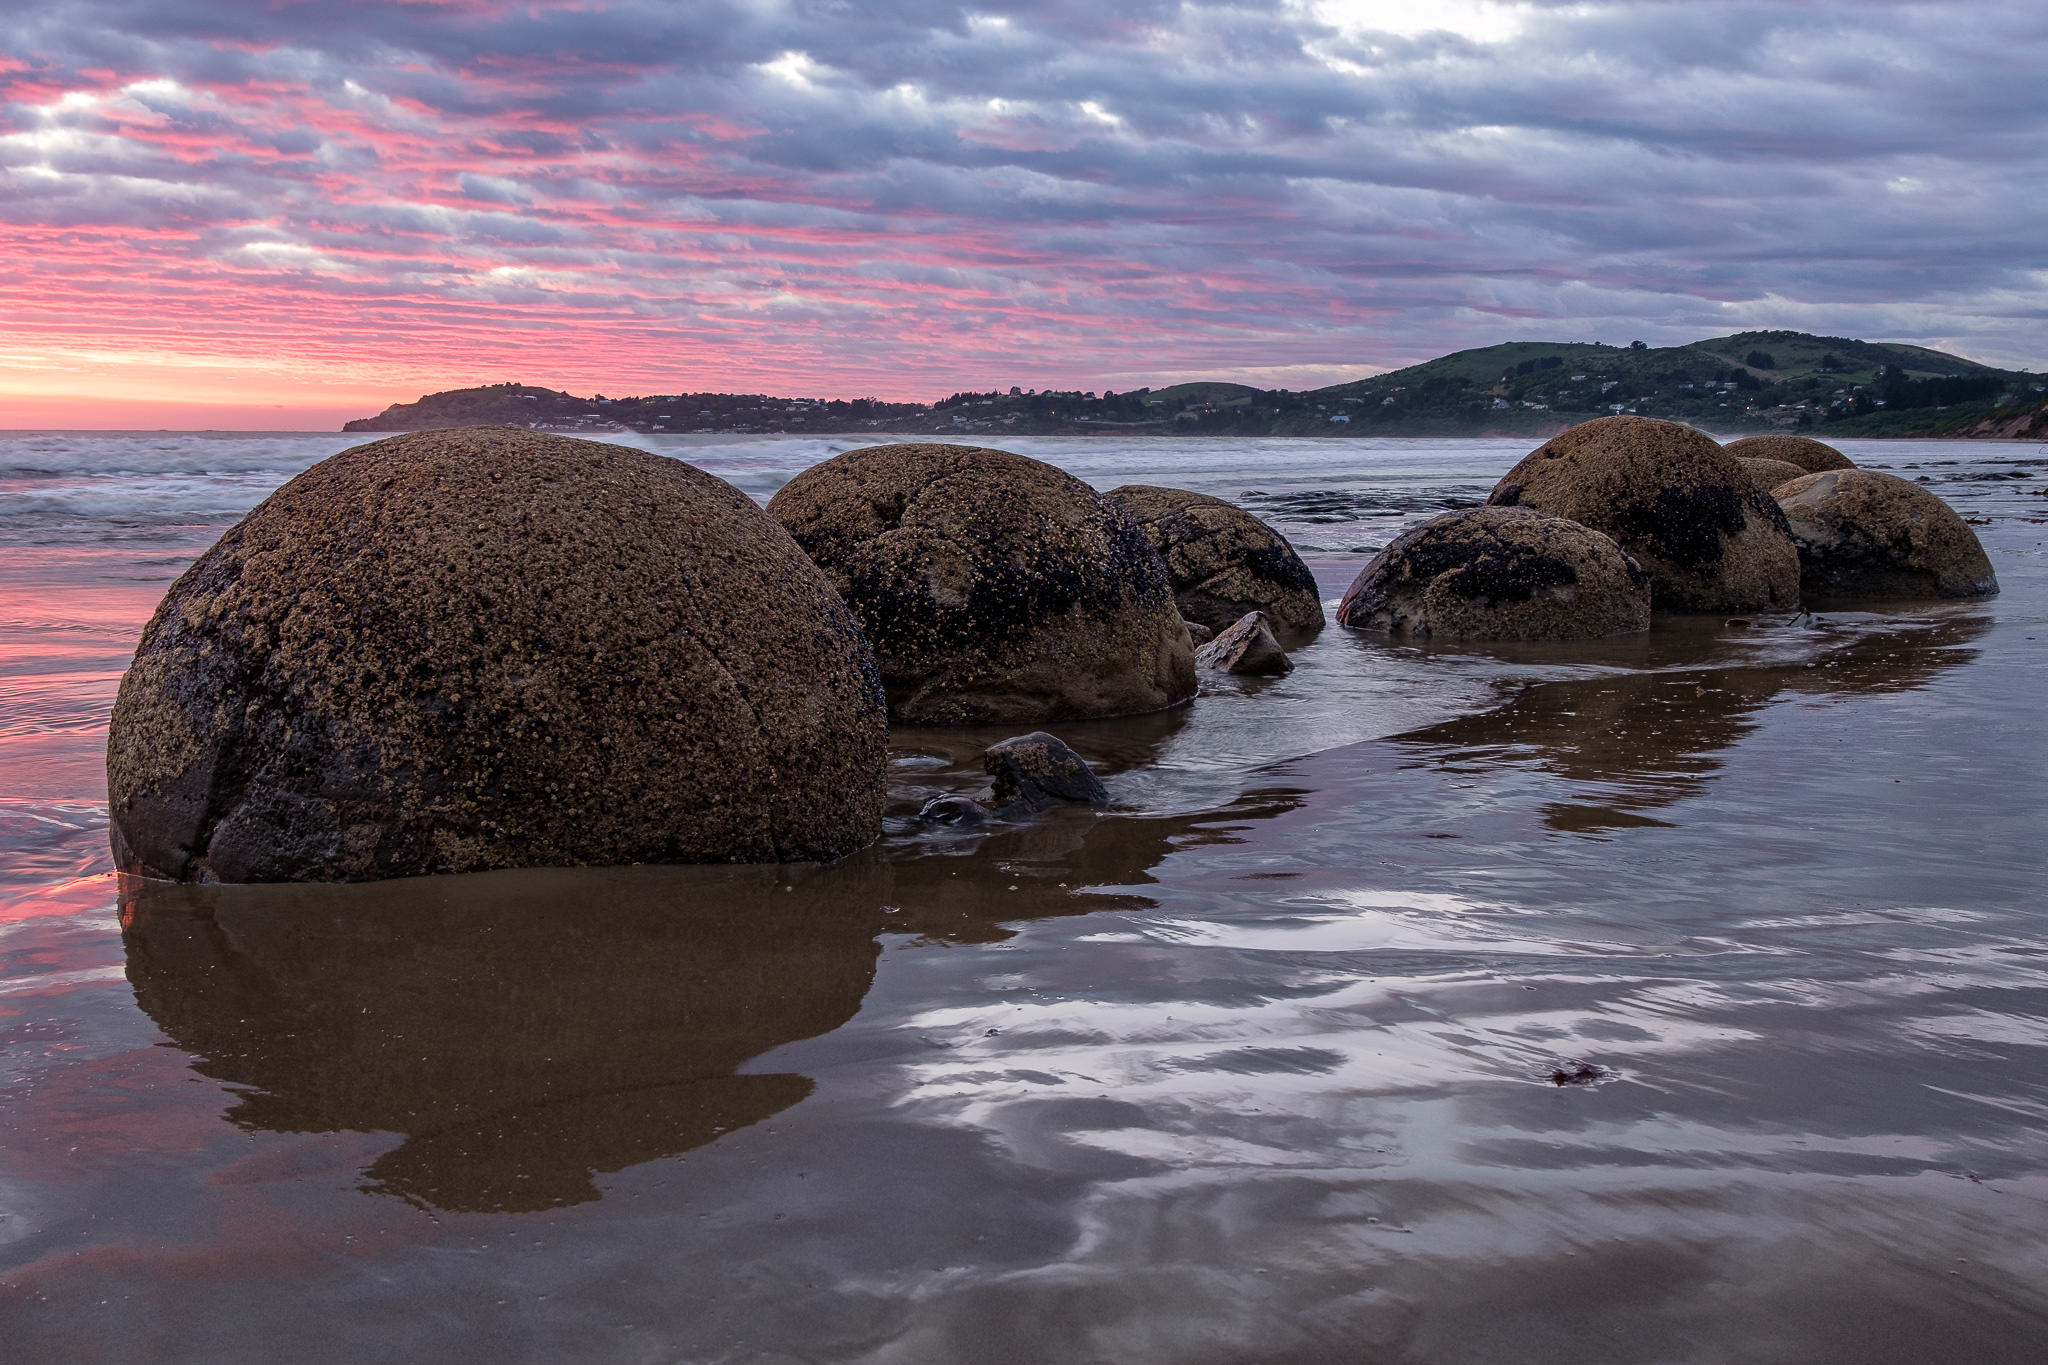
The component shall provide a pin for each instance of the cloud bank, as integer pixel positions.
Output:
(315, 201)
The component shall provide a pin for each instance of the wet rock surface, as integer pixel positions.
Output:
(1814, 457)
(1248, 646)
(1674, 500)
(993, 587)
(1224, 561)
(1039, 770)
(487, 648)
(1865, 534)
(1500, 573)
(1032, 773)
(1768, 474)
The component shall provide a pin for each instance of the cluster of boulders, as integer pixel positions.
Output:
(484, 648)
(488, 647)
(1615, 517)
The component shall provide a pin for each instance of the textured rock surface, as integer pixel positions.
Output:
(1500, 573)
(1224, 561)
(1198, 633)
(1814, 457)
(1039, 770)
(1865, 534)
(488, 648)
(1676, 501)
(1248, 645)
(1768, 474)
(993, 587)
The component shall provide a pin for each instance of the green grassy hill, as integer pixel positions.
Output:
(1751, 381)
(1215, 392)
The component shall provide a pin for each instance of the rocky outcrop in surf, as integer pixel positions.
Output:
(993, 587)
(1224, 561)
(488, 648)
(1500, 573)
(1865, 534)
(1811, 456)
(1768, 474)
(1674, 500)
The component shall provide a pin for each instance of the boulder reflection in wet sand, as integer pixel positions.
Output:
(524, 1031)
(1643, 741)
(520, 1031)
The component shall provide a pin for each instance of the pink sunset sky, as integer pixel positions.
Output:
(285, 215)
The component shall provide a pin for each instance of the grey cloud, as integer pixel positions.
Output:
(1619, 166)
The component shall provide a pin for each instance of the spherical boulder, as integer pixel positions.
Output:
(1768, 474)
(1865, 534)
(1500, 573)
(994, 588)
(1224, 561)
(1676, 501)
(1814, 457)
(486, 648)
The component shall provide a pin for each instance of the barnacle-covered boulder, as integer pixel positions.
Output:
(1500, 573)
(1768, 474)
(1865, 534)
(1814, 457)
(1710, 539)
(994, 588)
(1224, 561)
(486, 648)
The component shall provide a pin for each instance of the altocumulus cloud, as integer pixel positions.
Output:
(904, 199)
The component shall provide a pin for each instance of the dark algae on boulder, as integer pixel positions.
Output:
(1676, 501)
(1865, 534)
(1224, 561)
(1812, 457)
(488, 648)
(1500, 573)
(993, 587)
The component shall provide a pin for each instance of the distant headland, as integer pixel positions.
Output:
(1751, 381)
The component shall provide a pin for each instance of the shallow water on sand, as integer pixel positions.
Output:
(1261, 1065)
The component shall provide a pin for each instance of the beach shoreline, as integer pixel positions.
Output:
(1259, 1063)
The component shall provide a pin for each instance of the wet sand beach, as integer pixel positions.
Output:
(1677, 997)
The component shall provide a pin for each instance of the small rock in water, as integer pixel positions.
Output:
(1037, 770)
(1246, 647)
(955, 810)
(1576, 1073)
(1032, 772)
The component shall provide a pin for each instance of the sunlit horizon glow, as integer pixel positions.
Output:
(219, 216)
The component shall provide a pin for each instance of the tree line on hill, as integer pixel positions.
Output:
(1747, 382)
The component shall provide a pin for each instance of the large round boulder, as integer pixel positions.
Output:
(1814, 457)
(1500, 573)
(1865, 534)
(1225, 562)
(487, 648)
(1675, 500)
(994, 588)
(1768, 474)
